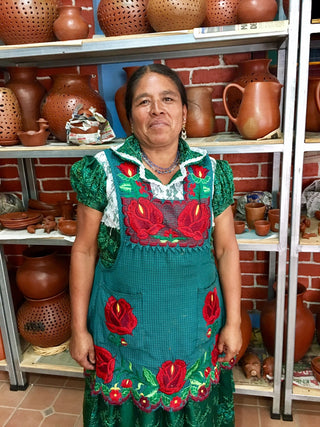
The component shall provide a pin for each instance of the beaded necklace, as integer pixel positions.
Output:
(159, 169)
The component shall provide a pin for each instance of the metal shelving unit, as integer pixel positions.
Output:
(280, 36)
(304, 142)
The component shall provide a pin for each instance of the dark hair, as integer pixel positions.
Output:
(152, 68)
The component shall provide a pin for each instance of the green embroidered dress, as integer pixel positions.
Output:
(156, 307)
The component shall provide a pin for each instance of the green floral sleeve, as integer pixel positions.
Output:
(88, 180)
(223, 187)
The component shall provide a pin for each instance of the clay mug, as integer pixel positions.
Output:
(313, 105)
(262, 227)
(239, 227)
(259, 112)
(254, 212)
(274, 218)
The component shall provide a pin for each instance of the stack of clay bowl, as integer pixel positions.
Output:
(20, 220)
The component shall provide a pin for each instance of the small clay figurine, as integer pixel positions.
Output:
(267, 368)
(251, 365)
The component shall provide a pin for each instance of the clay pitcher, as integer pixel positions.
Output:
(200, 117)
(313, 105)
(259, 112)
(70, 24)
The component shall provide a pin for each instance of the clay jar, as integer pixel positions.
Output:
(256, 11)
(70, 24)
(67, 92)
(43, 273)
(259, 112)
(313, 105)
(29, 91)
(173, 15)
(11, 118)
(305, 325)
(122, 17)
(239, 227)
(119, 100)
(262, 227)
(254, 212)
(274, 218)
(27, 21)
(200, 116)
(221, 12)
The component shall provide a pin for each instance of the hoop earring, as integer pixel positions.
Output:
(184, 132)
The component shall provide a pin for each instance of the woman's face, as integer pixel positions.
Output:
(157, 112)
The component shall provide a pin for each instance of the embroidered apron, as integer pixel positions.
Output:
(156, 313)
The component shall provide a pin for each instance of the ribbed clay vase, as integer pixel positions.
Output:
(123, 17)
(252, 70)
(43, 273)
(221, 12)
(174, 15)
(70, 24)
(313, 105)
(305, 325)
(27, 21)
(46, 322)
(10, 117)
(67, 91)
(29, 91)
(119, 100)
(200, 116)
(256, 11)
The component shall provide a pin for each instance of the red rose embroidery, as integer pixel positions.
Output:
(175, 403)
(119, 317)
(194, 220)
(144, 217)
(171, 376)
(104, 364)
(115, 395)
(128, 169)
(211, 308)
(199, 171)
(126, 383)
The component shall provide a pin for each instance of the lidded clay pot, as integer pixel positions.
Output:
(262, 227)
(123, 17)
(174, 15)
(200, 116)
(27, 21)
(70, 24)
(254, 212)
(10, 117)
(221, 12)
(256, 11)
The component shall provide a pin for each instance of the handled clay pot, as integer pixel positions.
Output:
(313, 105)
(259, 112)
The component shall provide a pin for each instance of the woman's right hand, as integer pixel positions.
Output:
(82, 350)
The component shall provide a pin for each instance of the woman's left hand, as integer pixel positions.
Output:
(229, 344)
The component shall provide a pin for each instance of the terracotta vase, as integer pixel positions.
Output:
(173, 15)
(43, 273)
(2, 353)
(29, 91)
(10, 117)
(305, 325)
(246, 331)
(67, 92)
(123, 17)
(259, 112)
(313, 105)
(285, 5)
(254, 211)
(221, 12)
(252, 70)
(27, 21)
(256, 11)
(45, 322)
(200, 117)
(119, 100)
(70, 24)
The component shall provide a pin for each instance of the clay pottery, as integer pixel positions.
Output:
(318, 327)
(256, 11)
(262, 227)
(67, 227)
(259, 112)
(45, 322)
(33, 138)
(313, 105)
(67, 209)
(254, 212)
(173, 15)
(246, 331)
(252, 70)
(221, 12)
(119, 100)
(2, 353)
(274, 218)
(239, 227)
(67, 92)
(285, 5)
(123, 17)
(29, 91)
(305, 325)
(70, 24)
(43, 273)
(27, 21)
(200, 116)
(10, 117)
(20, 220)
(251, 365)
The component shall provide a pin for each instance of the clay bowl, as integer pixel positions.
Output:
(19, 220)
(274, 218)
(262, 227)
(67, 227)
(239, 226)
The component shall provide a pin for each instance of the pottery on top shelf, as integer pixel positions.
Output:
(10, 117)
(221, 12)
(70, 24)
(256, 11)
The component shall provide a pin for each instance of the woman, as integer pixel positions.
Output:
(153, 324)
